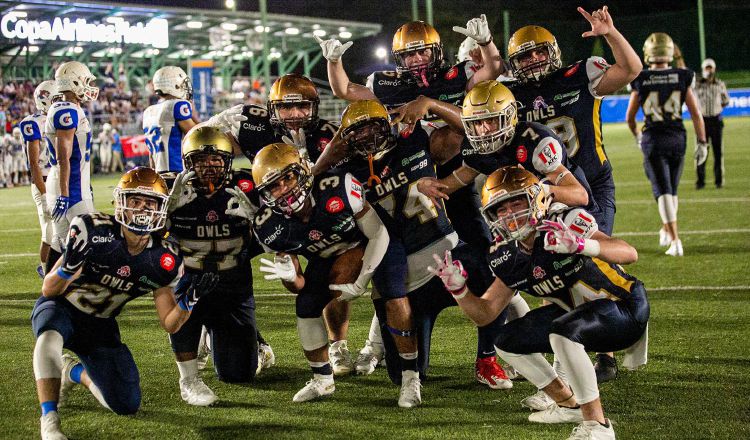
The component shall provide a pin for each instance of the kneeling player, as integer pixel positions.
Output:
(596, 305)
(105, 265)
(319, 219)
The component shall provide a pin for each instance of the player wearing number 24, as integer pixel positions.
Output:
(563, 258)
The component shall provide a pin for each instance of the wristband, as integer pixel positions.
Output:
(63, 274)
(561, 176)
(455, 175)
(460, 293)
(589, 248)
(486, 43)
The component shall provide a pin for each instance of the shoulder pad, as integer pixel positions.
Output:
(548, 155)
(580, 222)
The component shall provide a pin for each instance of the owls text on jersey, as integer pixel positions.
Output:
(31, 129)
(163, 133)
(67, 116)
(661, 94)
(211, 240)
(566, 102)
(331, 230)
(449, 86)
(112, 276)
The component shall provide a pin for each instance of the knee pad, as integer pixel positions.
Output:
(47, 355)
(312, 333)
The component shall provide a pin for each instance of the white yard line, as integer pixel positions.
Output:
(703, 232)
(688, 200)
(7, 231)
(23, 254)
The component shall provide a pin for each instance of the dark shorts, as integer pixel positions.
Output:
(663, 160)
(315, 296)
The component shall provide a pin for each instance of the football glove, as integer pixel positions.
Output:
(559, 239)
(45, 209)
(281, 268)
(348, 291)
(229, 120)
(476, 28)
(451, 273)
(75, 254)
(701, 152)
(182, 192)
(200, 286)
(61, 207)
(333, 49)
(239, 204)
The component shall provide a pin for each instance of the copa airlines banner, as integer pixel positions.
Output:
(201, 71)
(614, 107)
(134, 146)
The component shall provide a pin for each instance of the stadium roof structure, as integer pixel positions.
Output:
(37, 34)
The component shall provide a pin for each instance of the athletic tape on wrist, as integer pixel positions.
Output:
(63, 274)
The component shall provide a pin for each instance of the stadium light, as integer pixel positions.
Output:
(291, 31)
(319, 32)
(259, 29)
(381, 53)
(78, 49)
(33, 48)
(345, 34)
(194, 24)
(230, 4)
(229, 26)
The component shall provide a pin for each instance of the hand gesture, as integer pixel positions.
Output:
(239, 204)
(76, 251)
(410, 113)
(182, 191)
(560, 239)
(451, 273)
(229, 120)
(600, 20)
(333, 49)
(200, 286)
(432, 188)
(477, 29)
(281, 268)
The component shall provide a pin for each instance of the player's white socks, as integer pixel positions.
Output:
(534, 367)
(517, 308)
(374, 337)
(667, 208)
(47, 355)
(188, 368)
(573, 357)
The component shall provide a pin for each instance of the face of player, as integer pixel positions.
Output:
(417, 57)
(533, 56)
(140, 210)
(283, 185)
(209, 169)
(509, 213)
(486, 126)
(294, 116)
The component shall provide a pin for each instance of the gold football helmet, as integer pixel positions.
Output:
(293, 90)
(141, 200)
(283, 177)
(521, 46)
(506, 184)
(416, 36)
(367, 127)
(489, 116)
(658, 48)
(208, 151)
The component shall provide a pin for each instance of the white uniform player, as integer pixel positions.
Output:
(166, 122)
(19, 166)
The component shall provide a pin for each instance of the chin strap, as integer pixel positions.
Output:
(373, 177)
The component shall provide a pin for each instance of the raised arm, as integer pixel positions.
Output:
(340, 84)
(478, 29)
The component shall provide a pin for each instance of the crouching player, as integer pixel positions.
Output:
(108, 261)
(564, 258)
(320, 219)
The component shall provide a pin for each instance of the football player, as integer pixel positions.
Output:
(105, 148)
(108, 261)
(563, 257)
(661, 91)
(320, 219)
(32, 127)
(19, 166)
(568, 100)
(167, 122)
(214, 235)
(69, 135)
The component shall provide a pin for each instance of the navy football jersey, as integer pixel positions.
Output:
(257, 132)
(661, 94)
(331, 230)
(567, 280)
(565, 101)
(111, 275)
(409, 214)
(211, 240)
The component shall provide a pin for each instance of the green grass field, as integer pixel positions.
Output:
(696, 384)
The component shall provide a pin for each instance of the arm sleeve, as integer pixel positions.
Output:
(470, 68)
(374, 229)
(595, 69)
(370, 82)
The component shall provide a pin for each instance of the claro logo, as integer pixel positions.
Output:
(501, 259)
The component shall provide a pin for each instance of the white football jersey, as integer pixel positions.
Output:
(64, 116)
(32, 128)
(163, 134)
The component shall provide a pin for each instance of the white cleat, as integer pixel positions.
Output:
(51, 427)
(675, 249)
(318, 386)
(341, 359)
(195, 392)
(204, 349)
(66, 383)
(368, 359)
(664, 238)
(538, 401)
(411, 390)
(557, 414)
(266, 358)
(593, 430)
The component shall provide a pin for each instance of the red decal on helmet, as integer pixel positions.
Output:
(323, 143)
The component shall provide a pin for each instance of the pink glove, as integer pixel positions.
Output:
(451, 273)
(560, 239)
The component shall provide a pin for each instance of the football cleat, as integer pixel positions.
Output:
(318, 386)
(557, 414)
(368, 358)
(664, 237)
(51, 427)
(341, 359)
(411, 390)
(66, 383)
(266, 358)
(675, 249)
(204, 349)
(488, 372)
(593, 430)
(195, 392)
(605, 367)
(538, 401)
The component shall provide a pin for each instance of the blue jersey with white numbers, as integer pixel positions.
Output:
(67, 116)
(661, 94)
(32, 129)
(163, 133)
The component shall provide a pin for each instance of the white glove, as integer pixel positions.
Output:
(281, 268)
(299, 140)
(333, 49)
(477, 29)
(638, 139)
(229, 120)
(239, 204)
(45, 209)
(560, 239)
(701, 152)
(348, 291)
(182, 193)
(451, 273)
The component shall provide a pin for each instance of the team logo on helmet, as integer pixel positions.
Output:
(124, 271)
(539, 273)
(212, 216)
(335, 205)
(315, 235)
(323, 143)
(167, 262)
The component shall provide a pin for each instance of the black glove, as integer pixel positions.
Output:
(75, 254)
(200, 286)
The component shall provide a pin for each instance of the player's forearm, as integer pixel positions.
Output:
(449, 113)
(695, 115)
(377, 244)
(478, 309)
(613, 250)
(570, 193)
(34, 168)
(56, 282)
(625, 56)
(493, 62)
(295, 286)
(338, 79)
(174, 319)
(63, 161)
